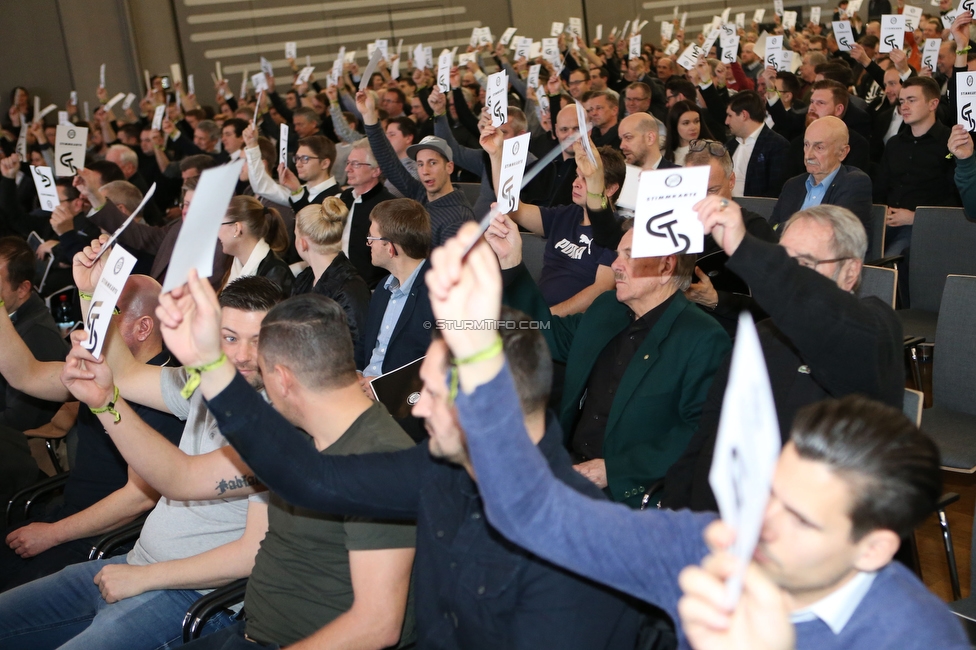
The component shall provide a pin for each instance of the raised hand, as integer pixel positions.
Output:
(366, 104)
(287, 178)
(10, 165)
(504, 239)
(62, 220)
(250, 136)
(85, 270)
(89, 379)
(592, 173)
(189, 319)
(492, 140)
(437, 101)
(465, 289)
(960, 142)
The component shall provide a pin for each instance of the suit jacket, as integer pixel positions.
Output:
(359, 253)
(657, 404)
(411, 336)
(789, 123)
(766, 172)
(851, 189)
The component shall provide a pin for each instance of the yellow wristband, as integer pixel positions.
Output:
(110, 407)
(194, 375)
(492, 350)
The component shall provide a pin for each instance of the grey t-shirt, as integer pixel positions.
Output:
(181, 529)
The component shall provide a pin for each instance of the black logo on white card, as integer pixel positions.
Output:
(662, 225)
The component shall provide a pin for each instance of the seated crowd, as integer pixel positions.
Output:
(513, 505)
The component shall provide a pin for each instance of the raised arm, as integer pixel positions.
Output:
(257, 175)
(527, 215)
(383, 151)
(40, 379)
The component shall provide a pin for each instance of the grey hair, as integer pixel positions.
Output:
(126, 154)
(363, 144)
(849, 238)
(210, 128)
(703, 158)
(684, 267)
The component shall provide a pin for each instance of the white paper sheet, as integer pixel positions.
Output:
(71, 143)
(47, 191)
(496, 98)
(843, 34)
(966, 100)
(515, 152)
(746, 450)
(198, 235)
(892, 32)
(105, 297)
(664, 222)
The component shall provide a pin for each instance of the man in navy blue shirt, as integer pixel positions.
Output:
(575, 270)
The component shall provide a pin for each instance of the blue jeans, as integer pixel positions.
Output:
(65, 610)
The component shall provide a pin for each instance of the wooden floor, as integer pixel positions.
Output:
(931, 551)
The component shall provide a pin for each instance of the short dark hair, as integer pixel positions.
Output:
(19, 258)
(582, 71)
(309, 335)
(401, 98)
(199, 162)
(751, 102)
(614, 169)
(836, 71)
(238, 124)
(891, 466)
(321, 146)
(407, 126)
(70, 191)
(528, 357)
(131, 130)
(251, 293)
(406, 224)
(308, 113)
(107, 170)
(681, 86)
(790, 83)
(837, 90)
(930, 88)
(869, 40)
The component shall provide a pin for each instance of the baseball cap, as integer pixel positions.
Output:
(433, 143)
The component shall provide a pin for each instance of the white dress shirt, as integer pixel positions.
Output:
(740, 160)
(837, 608)
(250, 267)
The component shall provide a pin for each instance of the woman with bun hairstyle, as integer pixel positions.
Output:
(318, 240)
(686, 122)
(254, 236)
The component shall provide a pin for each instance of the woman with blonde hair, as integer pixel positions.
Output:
(254, 235)
(318, 240)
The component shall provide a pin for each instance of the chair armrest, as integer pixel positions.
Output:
(31, 492)
(206, 606)
(117, 538)
(947, 500)
(886, 261)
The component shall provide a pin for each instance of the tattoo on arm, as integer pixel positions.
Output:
(236, 483)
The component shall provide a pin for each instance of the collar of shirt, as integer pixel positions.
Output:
(396, 289)
(237, 154)
(753, 137)
(321, 187)
(253, 261)
(825, 183)
(837, 608)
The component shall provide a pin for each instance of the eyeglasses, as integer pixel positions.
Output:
(808, 262)
(370, 240)
(357, 165)
(714, 148)
(303, 159)
(227, 223)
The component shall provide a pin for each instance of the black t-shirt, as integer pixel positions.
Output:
(99, 468)
(571, 258)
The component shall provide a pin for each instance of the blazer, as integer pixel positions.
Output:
(657, 404)
(341, 282)
(767, 165)
(275, 269)
(411, 336)
(851, 189)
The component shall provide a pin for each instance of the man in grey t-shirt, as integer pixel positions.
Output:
(138, 600)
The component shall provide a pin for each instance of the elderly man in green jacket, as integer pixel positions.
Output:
(639, 363)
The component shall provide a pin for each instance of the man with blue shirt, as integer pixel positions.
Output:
(828, 180)
(855, 478)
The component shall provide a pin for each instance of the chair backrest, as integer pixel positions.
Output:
(879, 282)
(876, 236)
(758, 204)
(954, 366)
(533, 249)
(912, 406)
(471, 191)
(943, 241)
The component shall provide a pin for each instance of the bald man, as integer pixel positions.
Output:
(640, 142)
(564, 167)
(100, 493)
(827, 179)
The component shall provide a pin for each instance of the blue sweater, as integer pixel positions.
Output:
(641, 553)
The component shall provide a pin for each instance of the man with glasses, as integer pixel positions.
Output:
(637, 98)
(916, 167)
(579, 83)
(364, 193)
(828, 180)
(640, 142)
(820, 340)
(313, 163)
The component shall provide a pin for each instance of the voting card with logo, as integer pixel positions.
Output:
(746, 450)
(496, 99)
(843, 34)
(664, 221)
(106, 295)
(515, 152)
(47, 191)
(892, 32)
(774, 52)
(71, 143)
(966, 99)
(930, 53)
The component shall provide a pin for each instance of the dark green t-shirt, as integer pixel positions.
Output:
(301, 580)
